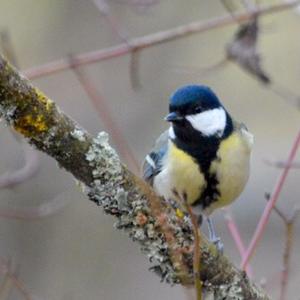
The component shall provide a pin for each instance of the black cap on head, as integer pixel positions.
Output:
(192, 96)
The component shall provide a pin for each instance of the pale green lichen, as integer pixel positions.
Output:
(78, 134)
(231, 291)
(235, 290)
(8, 113)
(107, 190)
(107, 172)
(50, 137)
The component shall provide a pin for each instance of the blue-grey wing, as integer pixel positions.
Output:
(153, 162)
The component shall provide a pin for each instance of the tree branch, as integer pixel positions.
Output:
(110, 184)
(154, 39)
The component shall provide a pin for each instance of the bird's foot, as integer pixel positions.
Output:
(213, 238)
(218, 243)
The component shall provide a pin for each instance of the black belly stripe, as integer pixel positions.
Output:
(211, 193)
(204, 151)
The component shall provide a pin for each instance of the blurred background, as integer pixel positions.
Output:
(60, 245)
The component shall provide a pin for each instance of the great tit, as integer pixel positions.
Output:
(204, 154)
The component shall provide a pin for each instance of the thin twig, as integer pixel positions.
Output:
(197, 253)
(289, 235)
(119, 31)
(270, 205)
(249, 5)
(229, 7)
(287, 256)
(17, 282)
(6, 285)
(289, 222)
(236, 235)
(197, 242)
(152, 40)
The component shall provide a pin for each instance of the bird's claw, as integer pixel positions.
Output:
(219, 244)
(213, 238)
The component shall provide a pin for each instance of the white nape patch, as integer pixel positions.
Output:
(150, 161)
(172, 133)
(210, 122)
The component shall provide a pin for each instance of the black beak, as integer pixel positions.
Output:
(173, 117)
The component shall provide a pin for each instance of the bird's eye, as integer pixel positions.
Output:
(198, 109)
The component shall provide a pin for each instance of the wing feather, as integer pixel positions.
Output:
(153, 162)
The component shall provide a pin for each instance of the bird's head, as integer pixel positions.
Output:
(195, 110)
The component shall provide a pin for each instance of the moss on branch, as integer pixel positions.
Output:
(166, 239)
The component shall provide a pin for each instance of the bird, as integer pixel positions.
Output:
(204, 154)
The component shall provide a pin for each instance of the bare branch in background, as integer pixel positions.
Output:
(250, 5)
(243, 50)
(287, 256)
(270, 205)
(117, 29)
(236, 235)
(109, 183)
(296, 9)
(153, 40)
(230, 7)
(6, 285)
(289, 222)
(12, 279)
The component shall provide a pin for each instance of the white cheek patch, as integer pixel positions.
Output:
(172, 133)
(210, 122)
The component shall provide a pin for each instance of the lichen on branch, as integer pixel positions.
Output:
(166, 239)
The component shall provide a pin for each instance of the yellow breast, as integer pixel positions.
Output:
(182, 173)
(231, 168)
